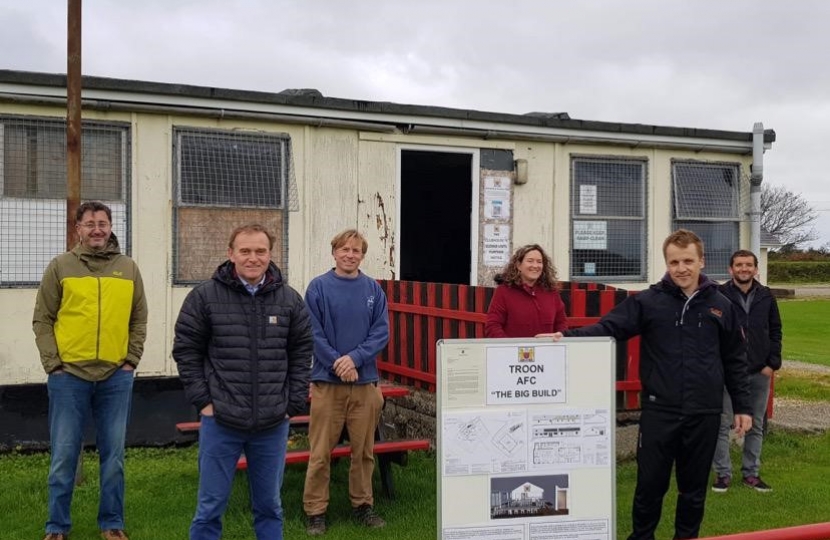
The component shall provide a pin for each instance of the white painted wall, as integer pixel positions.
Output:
(345, 178)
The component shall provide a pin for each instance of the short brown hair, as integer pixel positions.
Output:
(742, 253)
(92, 206)
(343, 238)
(248, 229)
(548, 278)
(683, 238)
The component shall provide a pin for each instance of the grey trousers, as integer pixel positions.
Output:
(753, 440)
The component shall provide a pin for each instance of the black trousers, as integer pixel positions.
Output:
(688, 443)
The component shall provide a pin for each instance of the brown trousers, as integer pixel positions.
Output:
(358, 407)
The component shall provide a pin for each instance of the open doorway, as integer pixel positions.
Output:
(436, 213)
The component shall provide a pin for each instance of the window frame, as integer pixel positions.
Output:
(576, 216)
(718, 270)
(180, 134)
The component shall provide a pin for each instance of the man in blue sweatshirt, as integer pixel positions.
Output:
(351, 326)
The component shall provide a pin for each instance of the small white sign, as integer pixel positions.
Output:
(590, 235)
(522, 375)
(496, 208)
(587, 199)
(497, 186)
(590, 269)
(496, 246)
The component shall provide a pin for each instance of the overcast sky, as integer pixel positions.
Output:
(703, 63)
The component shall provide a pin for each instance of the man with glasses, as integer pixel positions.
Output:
(90, 322)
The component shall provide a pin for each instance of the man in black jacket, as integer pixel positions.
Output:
(243, 349)
(690, 345)
(758, 314)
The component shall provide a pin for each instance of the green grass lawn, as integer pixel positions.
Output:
(161, 496)
(806, 329)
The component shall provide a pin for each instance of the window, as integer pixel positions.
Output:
(225, 179)
(707, 200)
(608, 236)
(33, 179)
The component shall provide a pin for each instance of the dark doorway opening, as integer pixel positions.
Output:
(436, 212)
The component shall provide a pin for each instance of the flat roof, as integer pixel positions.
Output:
(313, 99)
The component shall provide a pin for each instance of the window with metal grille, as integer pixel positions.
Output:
(608, 225)
(225, 179)
(33, 192)
(707, 201)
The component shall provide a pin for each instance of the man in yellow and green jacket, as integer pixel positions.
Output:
(90, 322)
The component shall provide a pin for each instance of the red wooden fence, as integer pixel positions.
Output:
(422, 313)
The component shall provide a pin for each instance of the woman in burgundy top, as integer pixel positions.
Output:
(527, 303)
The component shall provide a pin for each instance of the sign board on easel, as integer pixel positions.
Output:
(525, 438)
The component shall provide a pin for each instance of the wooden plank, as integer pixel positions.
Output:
(386, 447)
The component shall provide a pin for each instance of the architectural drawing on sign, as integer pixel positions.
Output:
(471, 433)
(505, 438)
(556, 453)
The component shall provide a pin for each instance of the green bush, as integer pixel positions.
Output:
(798, 272)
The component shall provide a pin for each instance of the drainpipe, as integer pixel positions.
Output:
(755, 180)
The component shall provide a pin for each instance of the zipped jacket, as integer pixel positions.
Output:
(248, 355)
(689, 347)
(90, 315)
(761, 323)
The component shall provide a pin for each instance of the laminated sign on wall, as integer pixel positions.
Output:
(526, 439)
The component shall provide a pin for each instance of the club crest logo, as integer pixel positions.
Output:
(527, 354)
(716, 312)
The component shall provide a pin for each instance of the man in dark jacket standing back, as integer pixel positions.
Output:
(243, 348)
(690, 345)
(758, 314)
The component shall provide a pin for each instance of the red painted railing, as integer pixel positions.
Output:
(422, 313)
(816, 531)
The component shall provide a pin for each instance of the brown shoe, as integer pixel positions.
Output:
(114, 534)
(56, 536)
(365, 515)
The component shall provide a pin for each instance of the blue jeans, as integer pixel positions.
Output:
(753, 439)
(219, 450)
(71, 400)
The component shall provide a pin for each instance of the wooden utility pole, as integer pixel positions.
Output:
(73, 119)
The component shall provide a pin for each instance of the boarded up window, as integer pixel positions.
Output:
(226, 179)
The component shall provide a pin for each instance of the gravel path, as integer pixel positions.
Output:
(788, 414)
(799, 415)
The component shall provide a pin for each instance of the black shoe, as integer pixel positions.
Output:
(316, 525)
(721, 484)
(365, 515)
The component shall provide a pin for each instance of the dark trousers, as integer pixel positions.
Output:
(688, 443)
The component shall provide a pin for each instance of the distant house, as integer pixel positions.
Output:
(443, 194)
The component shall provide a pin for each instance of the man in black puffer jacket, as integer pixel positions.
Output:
(691, 344)
(243, 349)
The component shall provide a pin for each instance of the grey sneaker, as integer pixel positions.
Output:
(757, 484)
(316, 525)
(365, 515)
(721, 484)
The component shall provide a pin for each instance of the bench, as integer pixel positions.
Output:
(387, 452)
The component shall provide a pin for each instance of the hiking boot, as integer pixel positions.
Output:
(114, 534)
(365, 515)
(316, 525)
(56, 536)
(721, 484)
(757, 484)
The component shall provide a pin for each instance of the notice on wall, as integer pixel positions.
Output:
(590, 235)
(587, 199)
(496, 245)
(522, 375)
(497, 197)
